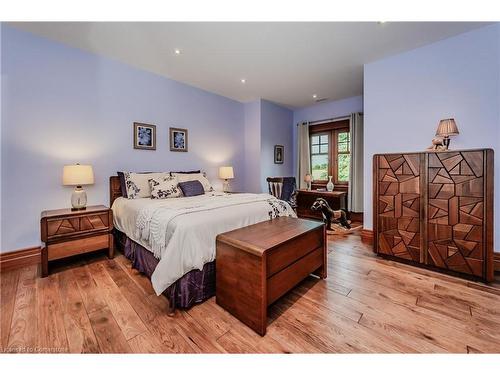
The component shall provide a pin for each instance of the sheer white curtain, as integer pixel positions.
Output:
(355, 192)
(303, 154)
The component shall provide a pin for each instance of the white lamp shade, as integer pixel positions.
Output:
(226, 173)
(78, 175)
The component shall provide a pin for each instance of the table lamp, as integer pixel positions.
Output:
(446, 128)
(308, 180)
(226, 173)
(78, 175)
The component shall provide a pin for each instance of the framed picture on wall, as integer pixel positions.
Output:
(279, 154)
(178, 139)
(144, 136)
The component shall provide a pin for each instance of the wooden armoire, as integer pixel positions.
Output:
(435, 209)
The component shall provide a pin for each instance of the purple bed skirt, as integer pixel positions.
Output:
(194, 287)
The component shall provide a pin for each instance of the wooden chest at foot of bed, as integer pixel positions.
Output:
(258, 264)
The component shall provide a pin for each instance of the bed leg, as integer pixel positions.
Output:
(171, 309)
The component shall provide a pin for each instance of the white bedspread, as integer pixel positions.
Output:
(181, 232)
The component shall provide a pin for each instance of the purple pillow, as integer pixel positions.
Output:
(191, 188)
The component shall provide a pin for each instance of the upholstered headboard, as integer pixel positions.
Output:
(114, 189)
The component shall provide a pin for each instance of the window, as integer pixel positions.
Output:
(330, 152)
(319, 156)
(343, 156)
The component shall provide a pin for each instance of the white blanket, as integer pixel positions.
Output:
(181, 232)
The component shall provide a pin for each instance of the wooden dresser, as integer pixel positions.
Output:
(65, 233)
(258, 264)
(305, 199)
(435, 209)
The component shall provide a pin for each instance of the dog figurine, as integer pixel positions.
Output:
(437, 145)
(330, 216)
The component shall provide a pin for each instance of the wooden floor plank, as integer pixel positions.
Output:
(212, 316)
(141, 280)
(8, 289)
(160, 326)
(92, 297)
(233, 328)
(169, 334)
(24, 330)
(124, 314)
(367, 304)
(133, 294)
(339, 302)
(147, 342)
(52, 334)
(445, 331)
(108, 333)
(81, 337)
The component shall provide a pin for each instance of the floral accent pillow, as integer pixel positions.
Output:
(183, 177)
(165, 187)
(137, 184)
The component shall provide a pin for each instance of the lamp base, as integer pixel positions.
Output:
(78, 199)
(446, 142)
(225, 186)
(78, 209)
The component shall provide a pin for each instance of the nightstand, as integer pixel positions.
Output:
(65, 233)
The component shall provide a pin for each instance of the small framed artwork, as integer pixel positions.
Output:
(144, 136)
(178, 139)
(279, 154)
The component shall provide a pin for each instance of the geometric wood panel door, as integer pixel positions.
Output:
(456, 211)
(436, 209)
(398, 200)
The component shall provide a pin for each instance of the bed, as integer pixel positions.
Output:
(172, 240)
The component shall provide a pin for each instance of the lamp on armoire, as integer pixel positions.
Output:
(78, 175)
(447, 128)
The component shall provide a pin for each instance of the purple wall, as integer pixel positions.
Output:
(406, 95)
(252, 147)
(266, 125)
(323, 111)
(275, 130)
(62, 105)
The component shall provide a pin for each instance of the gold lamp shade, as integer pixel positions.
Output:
(78, 175)
(226, 173)
(447, 127)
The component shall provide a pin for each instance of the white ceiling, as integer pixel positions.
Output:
(282, 62)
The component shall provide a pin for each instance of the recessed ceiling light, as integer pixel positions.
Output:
(381, 22)
(177, 51)
(243, 80)
(315, 96)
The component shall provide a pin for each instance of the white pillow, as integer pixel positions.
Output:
(183, 177)
(164, 187)
(137, 184)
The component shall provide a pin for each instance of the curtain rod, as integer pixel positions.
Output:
(328, 120)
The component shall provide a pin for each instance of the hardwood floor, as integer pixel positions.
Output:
(367, 304)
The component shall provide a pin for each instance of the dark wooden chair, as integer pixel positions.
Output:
(284, 188)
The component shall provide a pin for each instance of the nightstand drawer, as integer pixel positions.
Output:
(94, 222)
(80, 246)
(85, 223)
